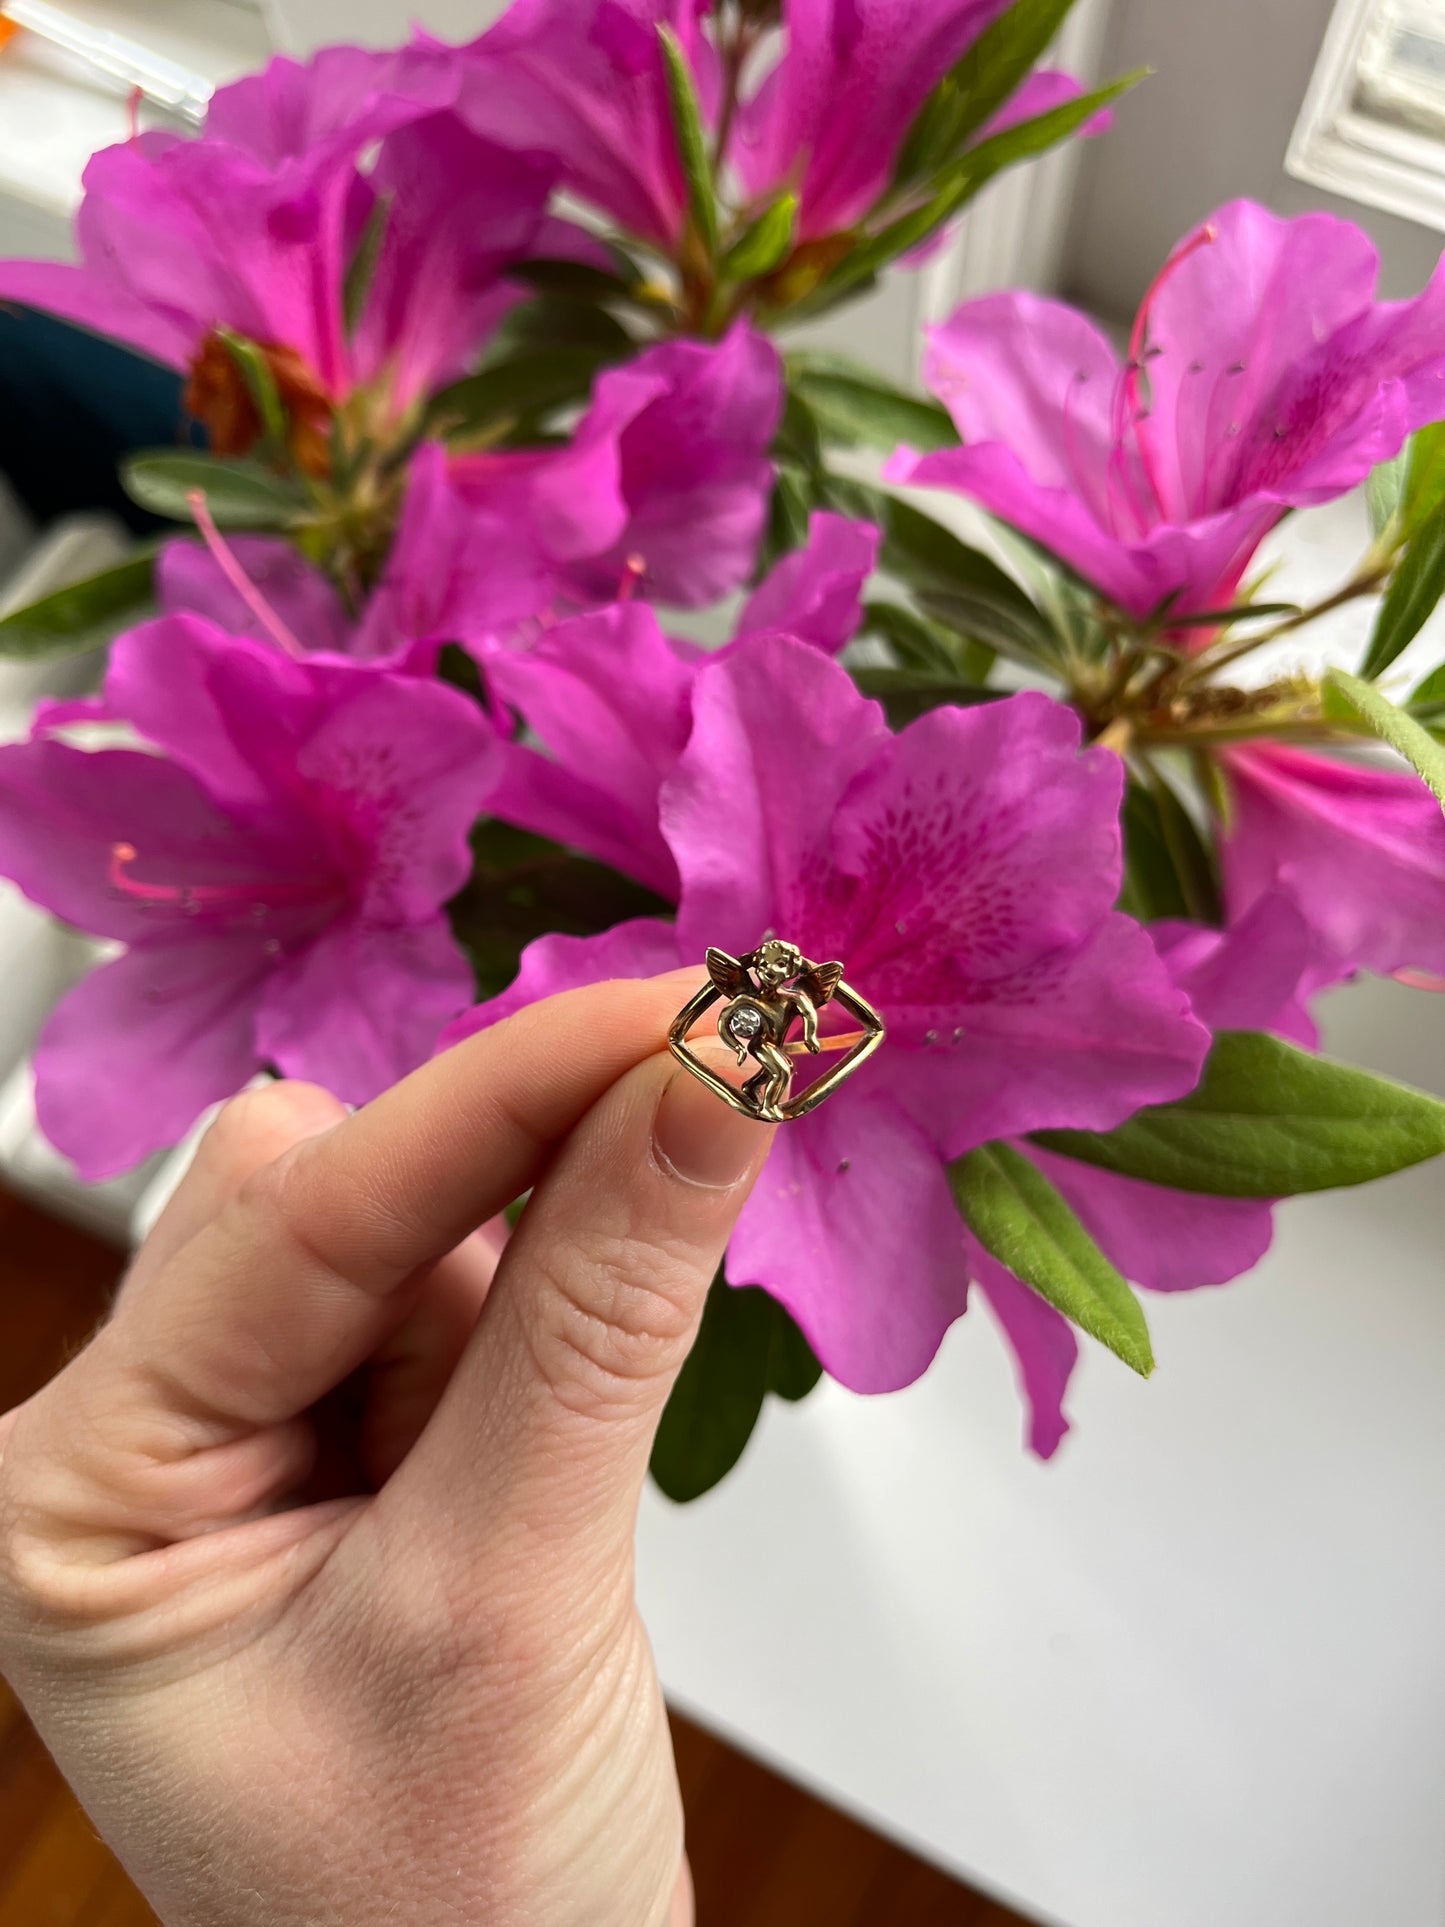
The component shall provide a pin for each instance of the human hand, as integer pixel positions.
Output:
(316, 1564)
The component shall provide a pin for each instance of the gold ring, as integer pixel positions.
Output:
(763, 995)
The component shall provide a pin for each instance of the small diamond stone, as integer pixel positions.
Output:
(745, 1021)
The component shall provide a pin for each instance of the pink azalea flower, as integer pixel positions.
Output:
(253, 227)
(830, 118)
(1361, 849)
(277, 874)
(453, 573)
(191, 580)
(582, 81)
(1246, 978)
(614, 678)
(1261, 375)
(585, 85)
(664, 484)
(964, 871)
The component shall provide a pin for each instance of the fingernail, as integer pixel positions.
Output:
(696, 1136)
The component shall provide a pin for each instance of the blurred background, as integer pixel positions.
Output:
(1191, 1672)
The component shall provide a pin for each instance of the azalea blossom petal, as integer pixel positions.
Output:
(1162, 1239)
(1038, 377)
(1080, 1040)
(816, 592)
(982, 843)
(611, 699)
(271, 245)
(1241, 304)
(1261, 375)
(1361, 850)
(402, 987)
(815, 1229)
(778, 733)
(87, 300)
(1190, 566)
(1251, 976)
(350, 96)
(378, 745)
(644, 947)
(65, 814)
(694, 468)
(1042, 1342)
(836, 107)
(190, 581)
(456, 571)
(457, 210)
(138, 1049)
(585, 84)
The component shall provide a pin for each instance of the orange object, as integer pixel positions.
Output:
(8, 30)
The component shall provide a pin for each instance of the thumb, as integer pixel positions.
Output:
(550, 1417)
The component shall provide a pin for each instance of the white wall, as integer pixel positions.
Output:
(300, 25)
(1212, 122)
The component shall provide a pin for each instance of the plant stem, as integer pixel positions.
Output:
(1365, 583)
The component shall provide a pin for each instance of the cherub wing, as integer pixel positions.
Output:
(727, 973)
(819, 981)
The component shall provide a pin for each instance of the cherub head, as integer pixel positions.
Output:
(777, 961)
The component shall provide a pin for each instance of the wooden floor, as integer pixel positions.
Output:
(764, 1854)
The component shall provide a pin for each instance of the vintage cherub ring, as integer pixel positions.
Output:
(767, 992)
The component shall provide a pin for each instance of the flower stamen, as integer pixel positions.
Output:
(239, 580)
(193, 898)
(1142, 350)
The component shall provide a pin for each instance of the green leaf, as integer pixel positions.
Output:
(1430, 690)
(746, 1347)
(855, 406)
(361, 269)
(1223, 618)
(85, 615)
(240, 494)
(928, 556)
(1415, 588)
(975, 87)
(1347, 698)
(1152, 887)
(1268, 1121)
(1424, 487)
(1189, 856)
(579, 280)
(692, 149)
(1018, 1216)
(963, 178)
(907, 694)
(558, 321)
(931, 647)
(793, 1371)
(530, 383)
(1383, 485)
(787, 516)
(524, 886)
(256, 373)
(798, 441)
(764, 244)
(962, 587)
(957, 182)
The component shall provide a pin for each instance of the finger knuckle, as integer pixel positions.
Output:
(38, 1585)
(609, 1318)
(258, 1124)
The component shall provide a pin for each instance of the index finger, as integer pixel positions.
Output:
(293, 1284)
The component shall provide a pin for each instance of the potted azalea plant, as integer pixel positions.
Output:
(489, 367)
